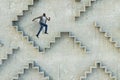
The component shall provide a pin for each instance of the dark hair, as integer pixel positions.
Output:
(44, 14)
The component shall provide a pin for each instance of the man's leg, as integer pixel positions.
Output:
(39, 30)
(46, 27)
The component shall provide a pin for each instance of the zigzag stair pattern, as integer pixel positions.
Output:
(78, 13)
(33, 42)
(11, 52)
(27, 67)
(51, 42)
(20, 31)
(107, 35)
(98, 64)
(76, 41)
(31, 4)
(70, 34)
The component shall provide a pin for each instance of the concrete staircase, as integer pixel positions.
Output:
(11, 52)
(107, 35)
(31, 4)
(62, 64)
(98, 64)
(20, 31)
(34, 43)
(76, 41)
(32, 40)
(83, 10)
(31, 65)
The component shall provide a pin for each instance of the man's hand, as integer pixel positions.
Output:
(49, 19)
(33, 19)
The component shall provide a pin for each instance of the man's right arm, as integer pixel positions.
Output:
(36, 18)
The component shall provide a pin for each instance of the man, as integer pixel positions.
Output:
(42, 22)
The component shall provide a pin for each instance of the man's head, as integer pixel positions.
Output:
(44, 14)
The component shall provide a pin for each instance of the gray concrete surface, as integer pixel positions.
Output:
(65, 60)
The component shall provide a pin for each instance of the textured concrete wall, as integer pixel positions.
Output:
(70, 55)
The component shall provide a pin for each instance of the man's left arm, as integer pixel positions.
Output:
(48, 19)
